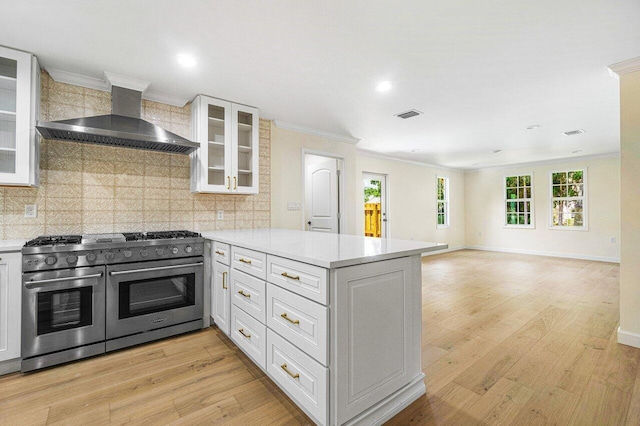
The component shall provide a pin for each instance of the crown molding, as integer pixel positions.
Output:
(366, 153)
(547, 162)
(67, 77)
(130, 83)
(110, 79)
(626, 67)
(315, 132)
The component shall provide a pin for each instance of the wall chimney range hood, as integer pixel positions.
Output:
(123, 127)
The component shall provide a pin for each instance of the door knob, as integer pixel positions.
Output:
(309, 223)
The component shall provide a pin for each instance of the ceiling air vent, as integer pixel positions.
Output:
(574, 132)
(408, 114)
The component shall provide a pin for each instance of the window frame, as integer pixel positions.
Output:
(446, 203)
(505, 200)
(583, 198)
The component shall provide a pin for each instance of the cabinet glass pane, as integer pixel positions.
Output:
(8, 73)
(216, 138)
(245, 148)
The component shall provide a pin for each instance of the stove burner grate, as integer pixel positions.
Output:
(53, 240)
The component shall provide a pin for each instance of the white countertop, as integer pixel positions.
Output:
(322, 249)
(11, 245)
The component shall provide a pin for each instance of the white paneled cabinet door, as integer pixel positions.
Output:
(227, 160)
(220, 297)
(19, 106)
(10, 305)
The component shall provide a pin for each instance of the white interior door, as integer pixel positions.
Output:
(321, 195)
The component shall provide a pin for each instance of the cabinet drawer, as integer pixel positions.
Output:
(221, 253)
(248, 293)
(249, 335)
(306, 280)
(249, 261)
(302, 378)
(299, 320)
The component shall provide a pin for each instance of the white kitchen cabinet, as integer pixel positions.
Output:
(227, 160)
(19, 110)
(343, 319)
(220, 297)
(10, 309)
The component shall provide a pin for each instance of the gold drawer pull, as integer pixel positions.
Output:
(228, 182)
(243, 260)
(294, 376)
(224, 281)
(242, 293)
(284, 315)
(293, 277)
(241, 331)
(221, 253)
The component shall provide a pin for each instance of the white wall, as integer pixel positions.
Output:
(629, 332)
(412, 200)
(286, 175)
(484, 214)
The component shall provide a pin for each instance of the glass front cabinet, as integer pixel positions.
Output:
(19, 109)
(227, 160)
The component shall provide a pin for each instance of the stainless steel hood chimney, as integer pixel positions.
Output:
(123, 128)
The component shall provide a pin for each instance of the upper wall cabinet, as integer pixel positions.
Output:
(227, 161)
(19, 110)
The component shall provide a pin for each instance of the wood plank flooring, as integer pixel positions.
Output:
(507, 339)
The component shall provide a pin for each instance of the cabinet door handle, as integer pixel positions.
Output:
(224, 281)
(242, 293)
(293, 277)
(221, 253)
(243, 260)
(235, 182)
(241, 331)
(285, 316)
(228, 182)
(293, 376)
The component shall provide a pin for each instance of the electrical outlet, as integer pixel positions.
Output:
(293, 205)
(30, 210)
(612, 240)
(220, 214)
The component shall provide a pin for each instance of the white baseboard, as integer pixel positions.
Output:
(546, 253)
(629, 339)
(450, 249)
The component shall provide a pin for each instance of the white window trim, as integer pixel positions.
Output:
(446, 202)
(585, 204)
(532, 212)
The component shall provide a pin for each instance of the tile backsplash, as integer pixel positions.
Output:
(93, 189)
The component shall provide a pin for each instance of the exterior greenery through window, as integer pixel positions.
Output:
(519, 201)
(443, 201)
(568, 199)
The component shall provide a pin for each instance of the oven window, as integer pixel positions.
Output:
(156, 294)
(64, 309)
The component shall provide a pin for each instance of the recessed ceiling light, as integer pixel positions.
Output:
(533, 126)
(383, 86)
(187, 61)
(574, 132)
(475, 164)
(415, 150)
(495, 151)
(576, 151)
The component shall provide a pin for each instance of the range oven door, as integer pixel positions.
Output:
(145, 296)
(62, 310)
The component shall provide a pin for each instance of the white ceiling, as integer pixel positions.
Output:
(481, 71)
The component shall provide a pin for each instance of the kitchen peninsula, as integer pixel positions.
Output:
(334, 320)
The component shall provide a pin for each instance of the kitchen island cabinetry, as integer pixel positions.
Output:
(10, 310)
(334, 320)
(19, 108)
(227, 161)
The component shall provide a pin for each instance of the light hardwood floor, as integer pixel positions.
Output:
(507, 339)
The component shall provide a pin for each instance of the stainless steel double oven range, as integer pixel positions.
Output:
(91, 294)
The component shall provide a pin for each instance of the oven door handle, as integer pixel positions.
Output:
(43, 283)
(158, 268)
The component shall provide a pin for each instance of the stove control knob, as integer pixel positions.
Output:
(127, 253)
(72, 258)
(159, 251)
(188, 249)
(144, 252)
(174, 250)
(50, 260)
(109, 255)
(91, 257)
